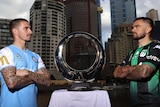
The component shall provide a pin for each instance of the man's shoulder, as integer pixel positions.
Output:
(155, 44)
(5, 49)
(32, 52)
(156, 41)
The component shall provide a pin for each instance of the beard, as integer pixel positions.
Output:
(138, 37)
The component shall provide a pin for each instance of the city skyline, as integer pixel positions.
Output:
(21, 9)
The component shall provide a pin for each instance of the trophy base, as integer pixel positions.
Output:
(84, 86)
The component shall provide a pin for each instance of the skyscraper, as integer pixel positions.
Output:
(153, 14)
(5, 37)
(122, 11)
(48, 22)
(118, 47)
(82, 15)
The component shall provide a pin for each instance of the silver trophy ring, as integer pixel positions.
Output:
(79, 75)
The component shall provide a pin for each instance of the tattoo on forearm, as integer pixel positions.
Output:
(43, 79)
(140, 72)
(12, 80)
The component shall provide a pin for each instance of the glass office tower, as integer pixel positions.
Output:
(122, 11)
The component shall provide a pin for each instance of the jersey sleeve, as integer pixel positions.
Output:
(40, 63)
(153, 58)
(6, 58)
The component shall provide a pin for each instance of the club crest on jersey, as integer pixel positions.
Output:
(143, 53)
(34, 59)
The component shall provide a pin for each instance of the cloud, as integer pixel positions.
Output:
(12, 9)
(144, 6)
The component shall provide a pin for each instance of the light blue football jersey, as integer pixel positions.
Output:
(26, 96)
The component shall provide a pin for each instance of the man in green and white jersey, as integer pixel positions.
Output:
(141, 66)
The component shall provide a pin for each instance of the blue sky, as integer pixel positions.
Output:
(19, 8)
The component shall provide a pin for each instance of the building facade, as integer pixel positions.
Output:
(118, 46)
(48, 22)
(122, 11)
(5, 37)
(121, 43)
(82, 15)
(153, 14)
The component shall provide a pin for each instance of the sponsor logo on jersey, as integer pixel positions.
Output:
(4, 60)
(154, 58)
(143, 53)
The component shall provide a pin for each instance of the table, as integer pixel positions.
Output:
(65, 98)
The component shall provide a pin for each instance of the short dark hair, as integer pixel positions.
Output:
(147, 20)
(14, 23)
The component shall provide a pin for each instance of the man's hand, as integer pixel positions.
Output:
(137, 72)
(39, 72)
(22, 72)
(121, 71)
(40, 77)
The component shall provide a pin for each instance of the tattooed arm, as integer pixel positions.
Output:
(133, 72)
(41, 77)
(20, 78)
(15, 81)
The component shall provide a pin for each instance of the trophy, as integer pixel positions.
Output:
(85, 63)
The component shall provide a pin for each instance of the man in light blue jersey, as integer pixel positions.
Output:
(21, 69)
